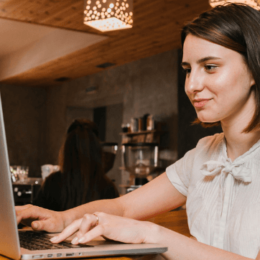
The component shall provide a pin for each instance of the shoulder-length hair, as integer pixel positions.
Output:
(236, 27)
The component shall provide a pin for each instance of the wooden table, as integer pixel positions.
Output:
(174, 220)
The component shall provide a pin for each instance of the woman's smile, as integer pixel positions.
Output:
(200, 103)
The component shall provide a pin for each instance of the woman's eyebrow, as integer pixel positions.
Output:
(207, 58)
(184, 63)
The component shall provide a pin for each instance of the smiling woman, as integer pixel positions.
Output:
(233, 32)
(219, 85)
(219, 179)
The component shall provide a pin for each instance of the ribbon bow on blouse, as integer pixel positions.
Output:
(238, 170)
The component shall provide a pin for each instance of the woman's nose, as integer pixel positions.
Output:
(193, 83)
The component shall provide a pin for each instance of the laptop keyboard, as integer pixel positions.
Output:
(39, 241)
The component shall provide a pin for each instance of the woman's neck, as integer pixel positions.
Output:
(239, 142)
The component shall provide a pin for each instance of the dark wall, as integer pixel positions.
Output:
(25, 120)
(188, 134)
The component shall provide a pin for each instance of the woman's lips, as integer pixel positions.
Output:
(199, 103)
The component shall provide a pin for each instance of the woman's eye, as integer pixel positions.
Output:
(210, 68)
(186, 70)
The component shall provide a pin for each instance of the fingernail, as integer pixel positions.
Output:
(35, 225)
(81, 240)
(54, 239)
(74, 240)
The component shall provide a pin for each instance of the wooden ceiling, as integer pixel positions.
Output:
(157, 25)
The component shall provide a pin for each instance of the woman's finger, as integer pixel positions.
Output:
(39, 218)
(19, 208)
(22, 212)
(88, 222)
(116, 228)
(67, 232)
(93, 233)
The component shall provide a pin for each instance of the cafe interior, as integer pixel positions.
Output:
(56, 66)
(62, 60)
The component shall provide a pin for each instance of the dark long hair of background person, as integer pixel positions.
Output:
(81, 178)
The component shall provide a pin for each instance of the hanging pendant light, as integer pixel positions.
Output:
(253, 3)
(108, 15)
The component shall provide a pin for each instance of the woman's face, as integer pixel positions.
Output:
(217, 82)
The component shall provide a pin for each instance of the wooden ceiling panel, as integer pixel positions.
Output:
(157, 25)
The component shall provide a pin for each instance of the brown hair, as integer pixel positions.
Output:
(237, 27)
(80, 160)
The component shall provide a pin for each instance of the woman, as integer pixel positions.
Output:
(81, 178)
(219, 179)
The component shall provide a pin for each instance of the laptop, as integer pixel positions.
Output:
(12, 247)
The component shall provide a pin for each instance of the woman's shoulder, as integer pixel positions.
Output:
(211, 141)
(53, 178)
(209, 147)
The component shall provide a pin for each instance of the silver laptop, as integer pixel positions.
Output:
(11, 246)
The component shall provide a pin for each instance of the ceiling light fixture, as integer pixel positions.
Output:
(253, 3)
(108, 15)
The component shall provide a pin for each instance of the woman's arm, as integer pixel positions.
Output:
(155, 197)
(183, 248)
(133, 231)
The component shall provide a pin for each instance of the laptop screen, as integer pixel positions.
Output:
(9, 243)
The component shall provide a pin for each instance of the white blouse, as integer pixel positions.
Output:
(223, 197)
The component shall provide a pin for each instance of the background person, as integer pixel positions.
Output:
(219, 179)
(81, 178)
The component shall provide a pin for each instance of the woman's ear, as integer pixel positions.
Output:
(252, 82)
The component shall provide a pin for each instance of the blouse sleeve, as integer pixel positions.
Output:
(179, 173)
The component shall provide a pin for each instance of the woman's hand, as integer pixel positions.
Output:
(110, 226)
(40, 218)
